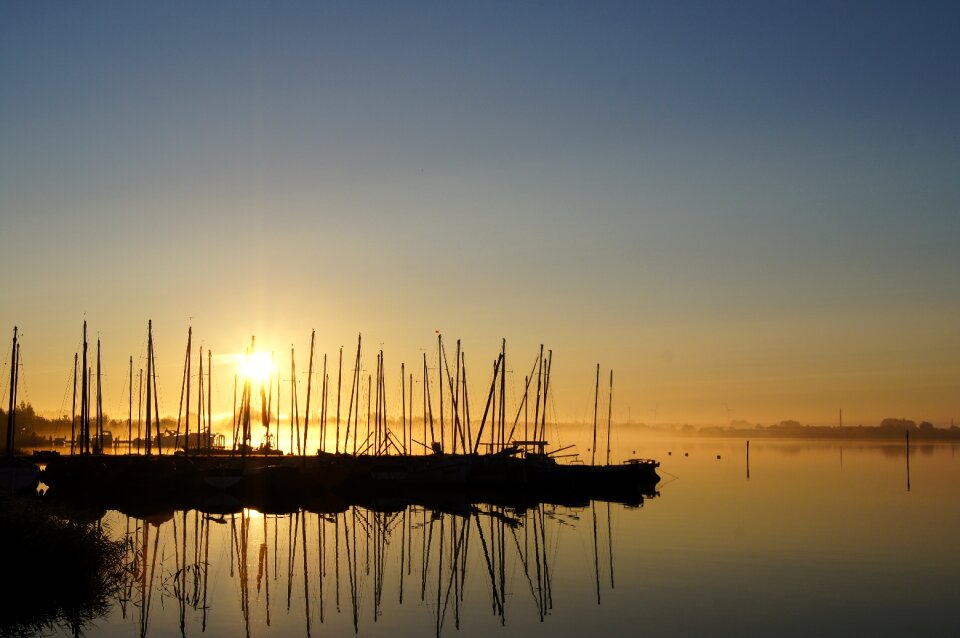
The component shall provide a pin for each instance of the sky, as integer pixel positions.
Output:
(746, 210)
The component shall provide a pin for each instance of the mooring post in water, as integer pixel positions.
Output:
(908, 458)
(748, 459)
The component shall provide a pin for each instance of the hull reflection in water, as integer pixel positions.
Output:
(244, 572)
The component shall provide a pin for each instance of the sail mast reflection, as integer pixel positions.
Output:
(456, 543)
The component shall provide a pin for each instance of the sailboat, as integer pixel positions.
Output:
(16, 473)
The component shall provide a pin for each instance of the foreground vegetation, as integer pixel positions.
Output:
(58, 572)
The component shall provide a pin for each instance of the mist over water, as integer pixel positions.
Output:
(822, 538)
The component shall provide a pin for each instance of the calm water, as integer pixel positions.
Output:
(821, 539)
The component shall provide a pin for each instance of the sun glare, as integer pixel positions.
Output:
(258, 367)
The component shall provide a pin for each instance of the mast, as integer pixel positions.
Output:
(149, 423)
(266, 406)
(89, 390)
(336, 443)
(609, 417)
(546, 388)
(130, 411)
(99, 446)
(139, 406)
(596, 397)
(440, 383)
(11, 419)
(199, 403)
(457, 404)
(236, 423)
(486, 409)
(536, 410)
(403, 411)
(306, 417)
(186, 374)
(428, 405)
(424, 402)
(356, 416)
(369, 385)
(209, 406)
(466, 403)
(156, 400)
(354, 391)
(293, 400)
(278, 409)
(503, 391)
(73, 409)
(323, 410)
(84, 398)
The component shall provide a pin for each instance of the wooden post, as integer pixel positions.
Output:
(908, 458)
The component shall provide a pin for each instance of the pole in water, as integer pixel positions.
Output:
(908, 459)
(748, 460)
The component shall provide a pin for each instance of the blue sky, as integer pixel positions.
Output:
(750, 205)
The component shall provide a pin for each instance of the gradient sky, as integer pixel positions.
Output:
(748, 212)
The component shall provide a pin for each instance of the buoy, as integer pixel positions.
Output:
(669, 453)
(686, 454)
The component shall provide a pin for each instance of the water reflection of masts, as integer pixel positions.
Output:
(351, 570)
(263, 566)
(146, 590)
(241, 544)
(306, 585)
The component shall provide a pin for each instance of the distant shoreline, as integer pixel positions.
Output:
(884, 432)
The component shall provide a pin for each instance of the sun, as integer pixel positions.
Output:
(257, 367)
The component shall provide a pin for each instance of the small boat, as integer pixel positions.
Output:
(18, 475)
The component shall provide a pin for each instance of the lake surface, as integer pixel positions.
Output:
(822, 538)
